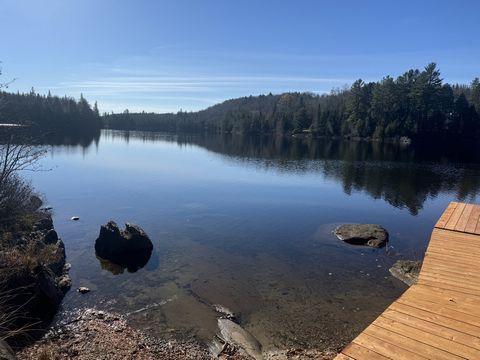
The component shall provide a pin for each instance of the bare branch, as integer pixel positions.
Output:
(17, 153)
(5, 84)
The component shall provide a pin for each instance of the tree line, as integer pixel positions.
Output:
(52, 114)
(415, 104)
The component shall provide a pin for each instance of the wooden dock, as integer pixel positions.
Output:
(439, 316)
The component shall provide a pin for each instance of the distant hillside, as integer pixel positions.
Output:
(416, 103)
(264, 113)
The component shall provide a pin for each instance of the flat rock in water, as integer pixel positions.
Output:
(75, 218)
(235, 335)
(406, 271)
(362, 234)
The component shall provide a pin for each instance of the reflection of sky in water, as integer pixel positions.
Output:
(244, 232)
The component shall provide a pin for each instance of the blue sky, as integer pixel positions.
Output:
(171, 55)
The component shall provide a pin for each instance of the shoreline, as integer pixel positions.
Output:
(94, 334)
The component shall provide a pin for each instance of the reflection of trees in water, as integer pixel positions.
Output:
(38, 136)
(402, 176)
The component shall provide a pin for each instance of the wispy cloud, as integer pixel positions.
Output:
(173, 78)
(192, 84)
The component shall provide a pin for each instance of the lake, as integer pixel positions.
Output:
(246, 222)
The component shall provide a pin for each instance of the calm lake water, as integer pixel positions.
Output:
(246, 222)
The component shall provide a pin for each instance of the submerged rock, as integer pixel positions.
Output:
(130, 248)
(115, 269)
(406, 271)
(362, 234)
(233, 334)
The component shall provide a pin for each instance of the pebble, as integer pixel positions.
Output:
(83, 290)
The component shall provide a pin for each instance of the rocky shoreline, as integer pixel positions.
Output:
(97, 334)
(94, 334)
(34, 277)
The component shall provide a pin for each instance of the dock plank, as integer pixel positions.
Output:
(399, 339)
(446, 346)
(385, 348)
(439, 316)
(435, 318)
(355, 351)
(457, 213)
(462, 222)
(442, 222)
(442, 330)
(473, 220)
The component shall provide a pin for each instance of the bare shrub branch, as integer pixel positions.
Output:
(17, 154)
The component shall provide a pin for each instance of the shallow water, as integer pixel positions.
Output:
(246, 222)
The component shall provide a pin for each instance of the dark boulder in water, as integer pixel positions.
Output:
(130, 248)
(363, 234)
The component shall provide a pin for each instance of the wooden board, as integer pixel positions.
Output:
(460, 217)
(439, 316)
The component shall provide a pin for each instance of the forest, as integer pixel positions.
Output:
(415, 104)
(49, 114)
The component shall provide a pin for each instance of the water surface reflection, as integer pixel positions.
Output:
(246, 222)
